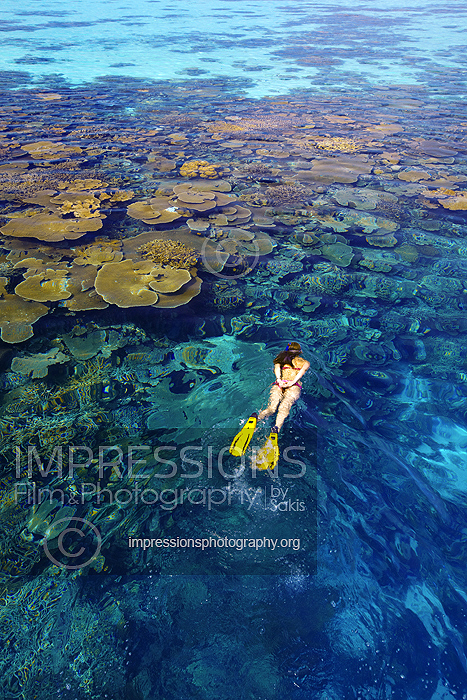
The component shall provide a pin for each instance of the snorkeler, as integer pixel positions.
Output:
(289, 368)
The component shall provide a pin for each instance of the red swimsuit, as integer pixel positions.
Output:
(299, 384)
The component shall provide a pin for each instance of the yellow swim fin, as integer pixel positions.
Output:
(242, 439)
(268, 456)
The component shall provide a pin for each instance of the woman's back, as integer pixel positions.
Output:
(290, 369)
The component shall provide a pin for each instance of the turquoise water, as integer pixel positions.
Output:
(278, 46)
(184, 190)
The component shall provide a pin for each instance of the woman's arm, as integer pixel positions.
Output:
(300, 374)
(278, 372)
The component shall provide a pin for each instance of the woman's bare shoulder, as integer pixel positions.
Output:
(299, 362)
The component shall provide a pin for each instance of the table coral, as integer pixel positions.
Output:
(236, 214)
(363, 198)
(50, 150)
(50, 227)
(17, 315)
(158, 209)
(37, 366)
(96, 255)
(344, 169)
(85, 346)
(338, 253)
(413, 175)
(80, 185)
(168, 279)
(160, 163)
(197, 197)
(182, 296)
(201, 168)
(199, 224)
(126, 283)
(50, 285)
(449, 199)
(85, 301)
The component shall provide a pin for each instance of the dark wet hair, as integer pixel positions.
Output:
(286, 356)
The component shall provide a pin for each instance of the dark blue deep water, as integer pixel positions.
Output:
(184, 190)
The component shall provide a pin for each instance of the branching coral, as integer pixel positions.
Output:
(287, 194)
(168, 252)
(86, 208)
(337, 143)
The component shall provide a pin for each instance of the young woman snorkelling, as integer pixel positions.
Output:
(289, 368)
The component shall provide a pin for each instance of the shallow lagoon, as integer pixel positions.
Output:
(173, 213)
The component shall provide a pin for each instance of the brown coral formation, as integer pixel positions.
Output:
(363, 198)
(65, 214)
(80, 205)
(82, 185)
(128, 283)
(50, 227)
(449, 199)
(37, 366)
(17, 315)
(345, 169)
(210, 256)
(337, 144)
(50, 150)
(169, 252)
(50, 285)
(201, 168)
(197, 196)
(156, 210)
(287, 194)
(97, 255)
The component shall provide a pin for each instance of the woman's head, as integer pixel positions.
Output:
(287, 356)
(293, 348)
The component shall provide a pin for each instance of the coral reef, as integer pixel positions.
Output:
(50, 227)
(37, 366)
(201, 168)
(168, 252)
(339, 224)
(129, 283)
(326, 171)
(18, 315)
